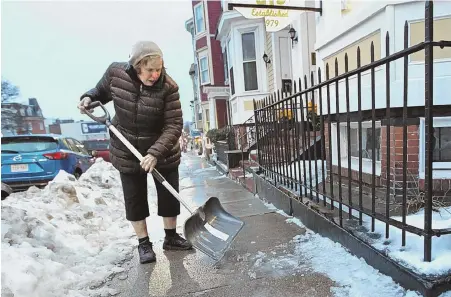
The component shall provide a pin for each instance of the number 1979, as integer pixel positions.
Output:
(272, 23)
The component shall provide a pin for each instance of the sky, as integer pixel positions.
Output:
(56, 50)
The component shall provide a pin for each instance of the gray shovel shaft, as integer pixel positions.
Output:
(157, 174)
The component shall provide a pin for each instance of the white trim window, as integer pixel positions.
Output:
(442, 145)
(368, 142)
(226, 67)
(367, 146)
(249, 53)
(441, 142)
(204, 72)
(199, 19)
(230, 61)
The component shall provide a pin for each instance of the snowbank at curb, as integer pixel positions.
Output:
(66, 239)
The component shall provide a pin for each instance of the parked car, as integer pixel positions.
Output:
(98, 148)
(6, 191)
(36, 159)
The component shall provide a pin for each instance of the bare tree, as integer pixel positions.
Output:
(11, 118)
(9, 91)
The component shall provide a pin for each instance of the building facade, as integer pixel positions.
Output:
(243, 44)
(20, 118)
(210, 77)
(196, 103)
(260, 62)
(349, 25)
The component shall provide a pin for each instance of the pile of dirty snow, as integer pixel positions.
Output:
(66, 239)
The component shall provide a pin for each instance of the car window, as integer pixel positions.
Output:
(80, 147)
(65, 144)
(72, 145)
(28, 144)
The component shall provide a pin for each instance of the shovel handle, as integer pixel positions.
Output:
(105, 119)
(155, 172)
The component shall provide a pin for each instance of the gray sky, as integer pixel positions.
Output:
(56, 50)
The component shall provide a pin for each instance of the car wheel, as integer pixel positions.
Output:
(77, 174)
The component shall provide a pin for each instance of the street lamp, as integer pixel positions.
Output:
(294, 38)
(266, 59)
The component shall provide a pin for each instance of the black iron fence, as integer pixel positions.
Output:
(337, 143)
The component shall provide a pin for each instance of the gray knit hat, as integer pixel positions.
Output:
(143, 49)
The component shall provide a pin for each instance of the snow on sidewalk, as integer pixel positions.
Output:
(67, 239)
(410, 256)
(353, 275)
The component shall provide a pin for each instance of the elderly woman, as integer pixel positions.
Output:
(149, 115)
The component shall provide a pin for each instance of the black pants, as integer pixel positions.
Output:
(134, 187)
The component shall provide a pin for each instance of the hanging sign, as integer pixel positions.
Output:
(93, 128)
(275, 19)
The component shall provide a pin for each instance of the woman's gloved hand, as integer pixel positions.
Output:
(83, 104)
(148, 163)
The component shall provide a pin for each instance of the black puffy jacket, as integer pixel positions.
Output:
(149, 117)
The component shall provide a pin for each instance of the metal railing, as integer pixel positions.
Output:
(352, 153)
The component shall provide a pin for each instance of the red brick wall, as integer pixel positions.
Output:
(395, 166)
(37, 127)
(203, 96)
(55, 129)
(439, 186)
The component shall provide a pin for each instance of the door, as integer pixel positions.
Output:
(284, 71)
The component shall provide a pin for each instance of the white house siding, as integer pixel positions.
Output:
(304, 24)
(270, 66)
(359, 24)
(241, 101)
(375, 18)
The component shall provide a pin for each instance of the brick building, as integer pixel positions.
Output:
(213, 92)
(28, 118)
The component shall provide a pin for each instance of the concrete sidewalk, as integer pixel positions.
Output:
(242, 272)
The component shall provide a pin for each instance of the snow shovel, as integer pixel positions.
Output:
(210, 229)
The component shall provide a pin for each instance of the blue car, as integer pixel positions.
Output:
(34, 160)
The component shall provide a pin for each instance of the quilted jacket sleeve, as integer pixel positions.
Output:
(101, 92)
(173, 125)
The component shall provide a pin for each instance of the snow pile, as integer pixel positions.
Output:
(296, 169)
(412, 254)
(355, 277)
(67, 239)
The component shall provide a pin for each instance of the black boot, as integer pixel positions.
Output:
(176, 242)
(146, 253)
